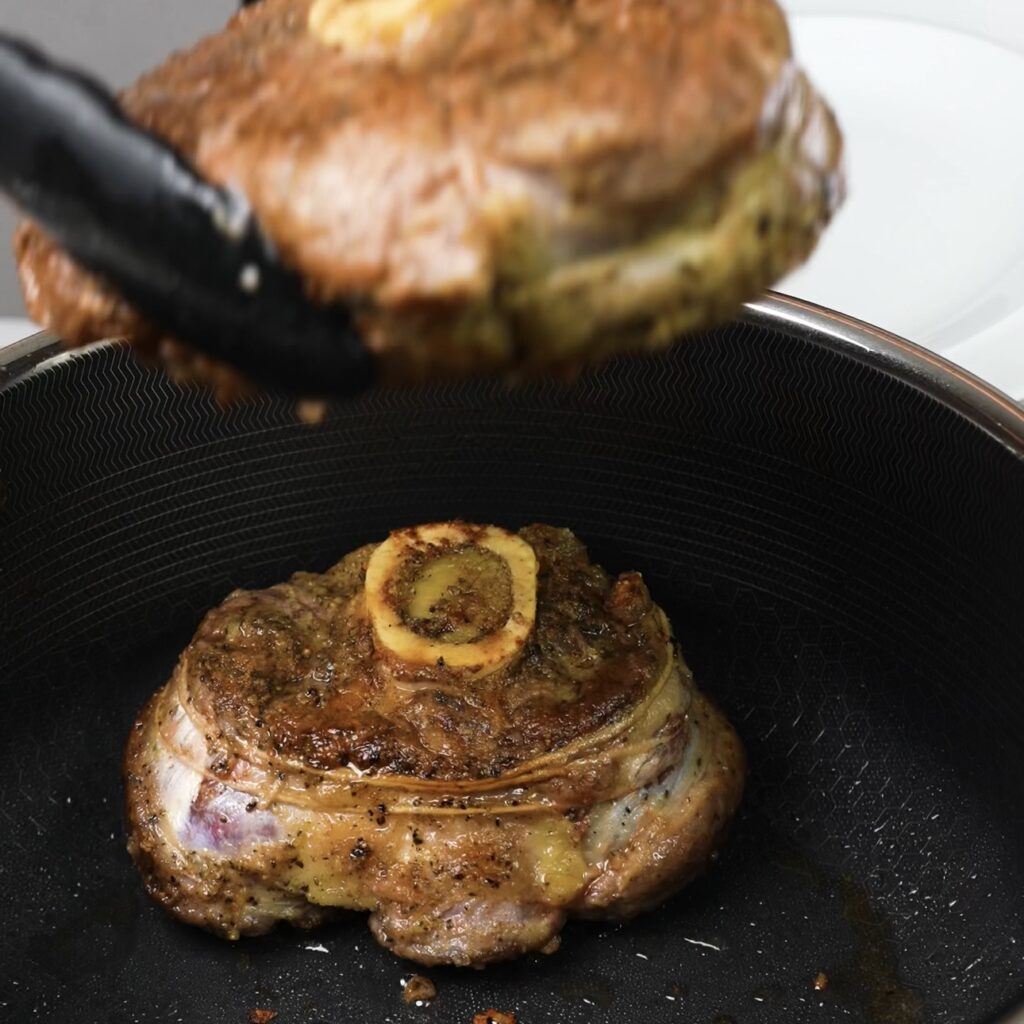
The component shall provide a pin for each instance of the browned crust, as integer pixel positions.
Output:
(667, 94)
(668, 851)
(292, 672)
(421, 933)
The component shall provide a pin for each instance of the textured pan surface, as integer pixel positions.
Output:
(842, 555)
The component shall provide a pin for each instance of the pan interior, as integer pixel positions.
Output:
(840, 554)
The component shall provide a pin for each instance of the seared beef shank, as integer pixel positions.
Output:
(492, 183)
(469, 733)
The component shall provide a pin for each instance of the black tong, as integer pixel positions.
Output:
(190, 256)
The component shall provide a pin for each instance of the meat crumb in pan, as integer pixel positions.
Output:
(494, 1017)
(261, 1016)
(310, 412)
(820, 981)
(418, 990)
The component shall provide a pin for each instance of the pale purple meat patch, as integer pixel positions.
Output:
(223, 820)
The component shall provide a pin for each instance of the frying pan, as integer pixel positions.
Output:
(832, 519)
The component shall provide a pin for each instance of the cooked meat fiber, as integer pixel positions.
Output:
(467, 732)
(493, 183)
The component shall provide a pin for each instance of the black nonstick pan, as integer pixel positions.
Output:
(833, 519)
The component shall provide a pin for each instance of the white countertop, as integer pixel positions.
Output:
(13, 328)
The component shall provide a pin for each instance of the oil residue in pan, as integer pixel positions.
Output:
(595, 990)
(870, 977)
(862, 981)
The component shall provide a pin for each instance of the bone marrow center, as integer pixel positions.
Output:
(365, 26)
(456, 596)
(452, 595)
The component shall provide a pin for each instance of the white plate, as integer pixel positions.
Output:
(930, 243)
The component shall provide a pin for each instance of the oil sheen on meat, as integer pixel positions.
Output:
(469, 733)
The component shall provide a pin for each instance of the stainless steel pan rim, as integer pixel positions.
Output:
(984, 405)
(980, 402)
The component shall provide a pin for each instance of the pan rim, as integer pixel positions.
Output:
(988, 408)
(983, 405)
